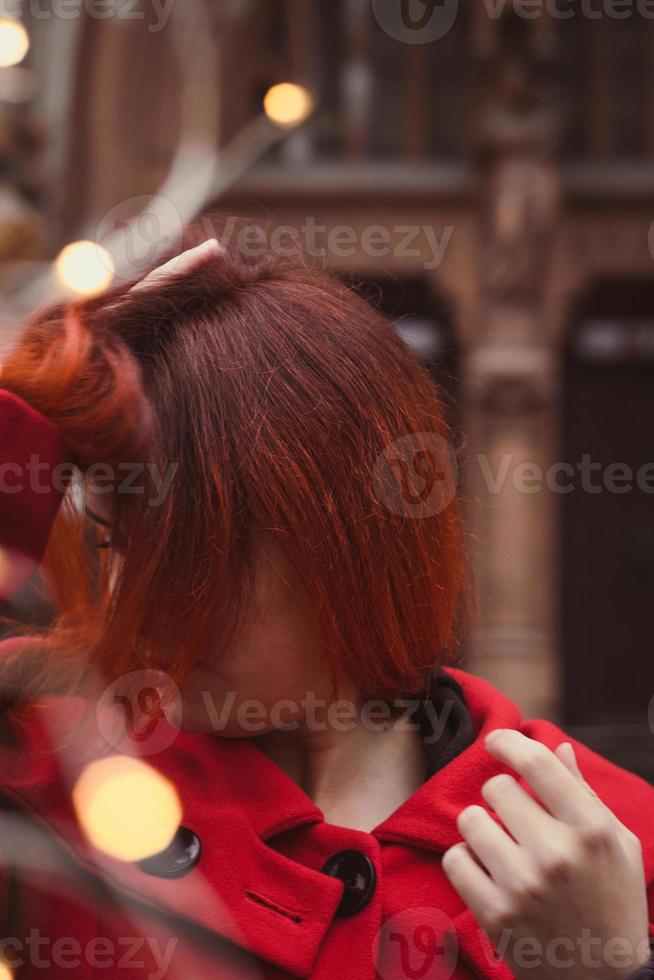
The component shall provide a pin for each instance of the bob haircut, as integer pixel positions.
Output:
(280, 398)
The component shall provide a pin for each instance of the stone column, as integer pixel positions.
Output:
(511, 419)
(510, 377)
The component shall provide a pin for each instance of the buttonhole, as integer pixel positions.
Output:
(273, 907)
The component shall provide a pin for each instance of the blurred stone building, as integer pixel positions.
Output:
(490, 184)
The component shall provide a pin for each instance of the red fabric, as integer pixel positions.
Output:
(31, 453)
(257, 904)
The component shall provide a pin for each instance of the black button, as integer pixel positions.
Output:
(182, 854)
(358, 874)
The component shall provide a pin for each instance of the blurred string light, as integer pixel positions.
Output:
(5, 972)
(200, 171)
(127, 809)
(85, 268)
(288, 105)
(14, 42)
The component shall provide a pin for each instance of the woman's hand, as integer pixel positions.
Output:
(558, 885)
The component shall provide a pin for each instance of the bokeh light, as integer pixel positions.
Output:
(85, 268)
(288, 105)
(127, 809)
(14, 42)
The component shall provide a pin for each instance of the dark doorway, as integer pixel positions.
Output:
(424, 321)
(608, 523)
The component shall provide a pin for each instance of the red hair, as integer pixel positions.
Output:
(275, 390)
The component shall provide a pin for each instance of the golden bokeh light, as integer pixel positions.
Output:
(288, 105)
(85, 268)
(5, 972)
(127, 809)
(14, 42)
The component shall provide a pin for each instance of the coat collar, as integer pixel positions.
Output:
(428, 818)
(276, 803)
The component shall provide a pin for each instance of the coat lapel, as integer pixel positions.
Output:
(428, 818)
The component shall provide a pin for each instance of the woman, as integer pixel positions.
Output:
(268, 476)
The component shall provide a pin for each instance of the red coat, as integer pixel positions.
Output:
(256, 903)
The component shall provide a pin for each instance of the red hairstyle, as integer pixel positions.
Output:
(275, 391)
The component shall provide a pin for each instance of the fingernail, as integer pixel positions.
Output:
(567, 756)
(572, 755)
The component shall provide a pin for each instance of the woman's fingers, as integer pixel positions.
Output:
(491, 844)
(562, 793)
(559, 866)
(472, 883)
(566, 753)
(182, 263)
(523, 817)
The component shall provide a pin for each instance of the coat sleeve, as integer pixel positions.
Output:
(33, 472)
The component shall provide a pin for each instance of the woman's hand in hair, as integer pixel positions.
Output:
(557, 882)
